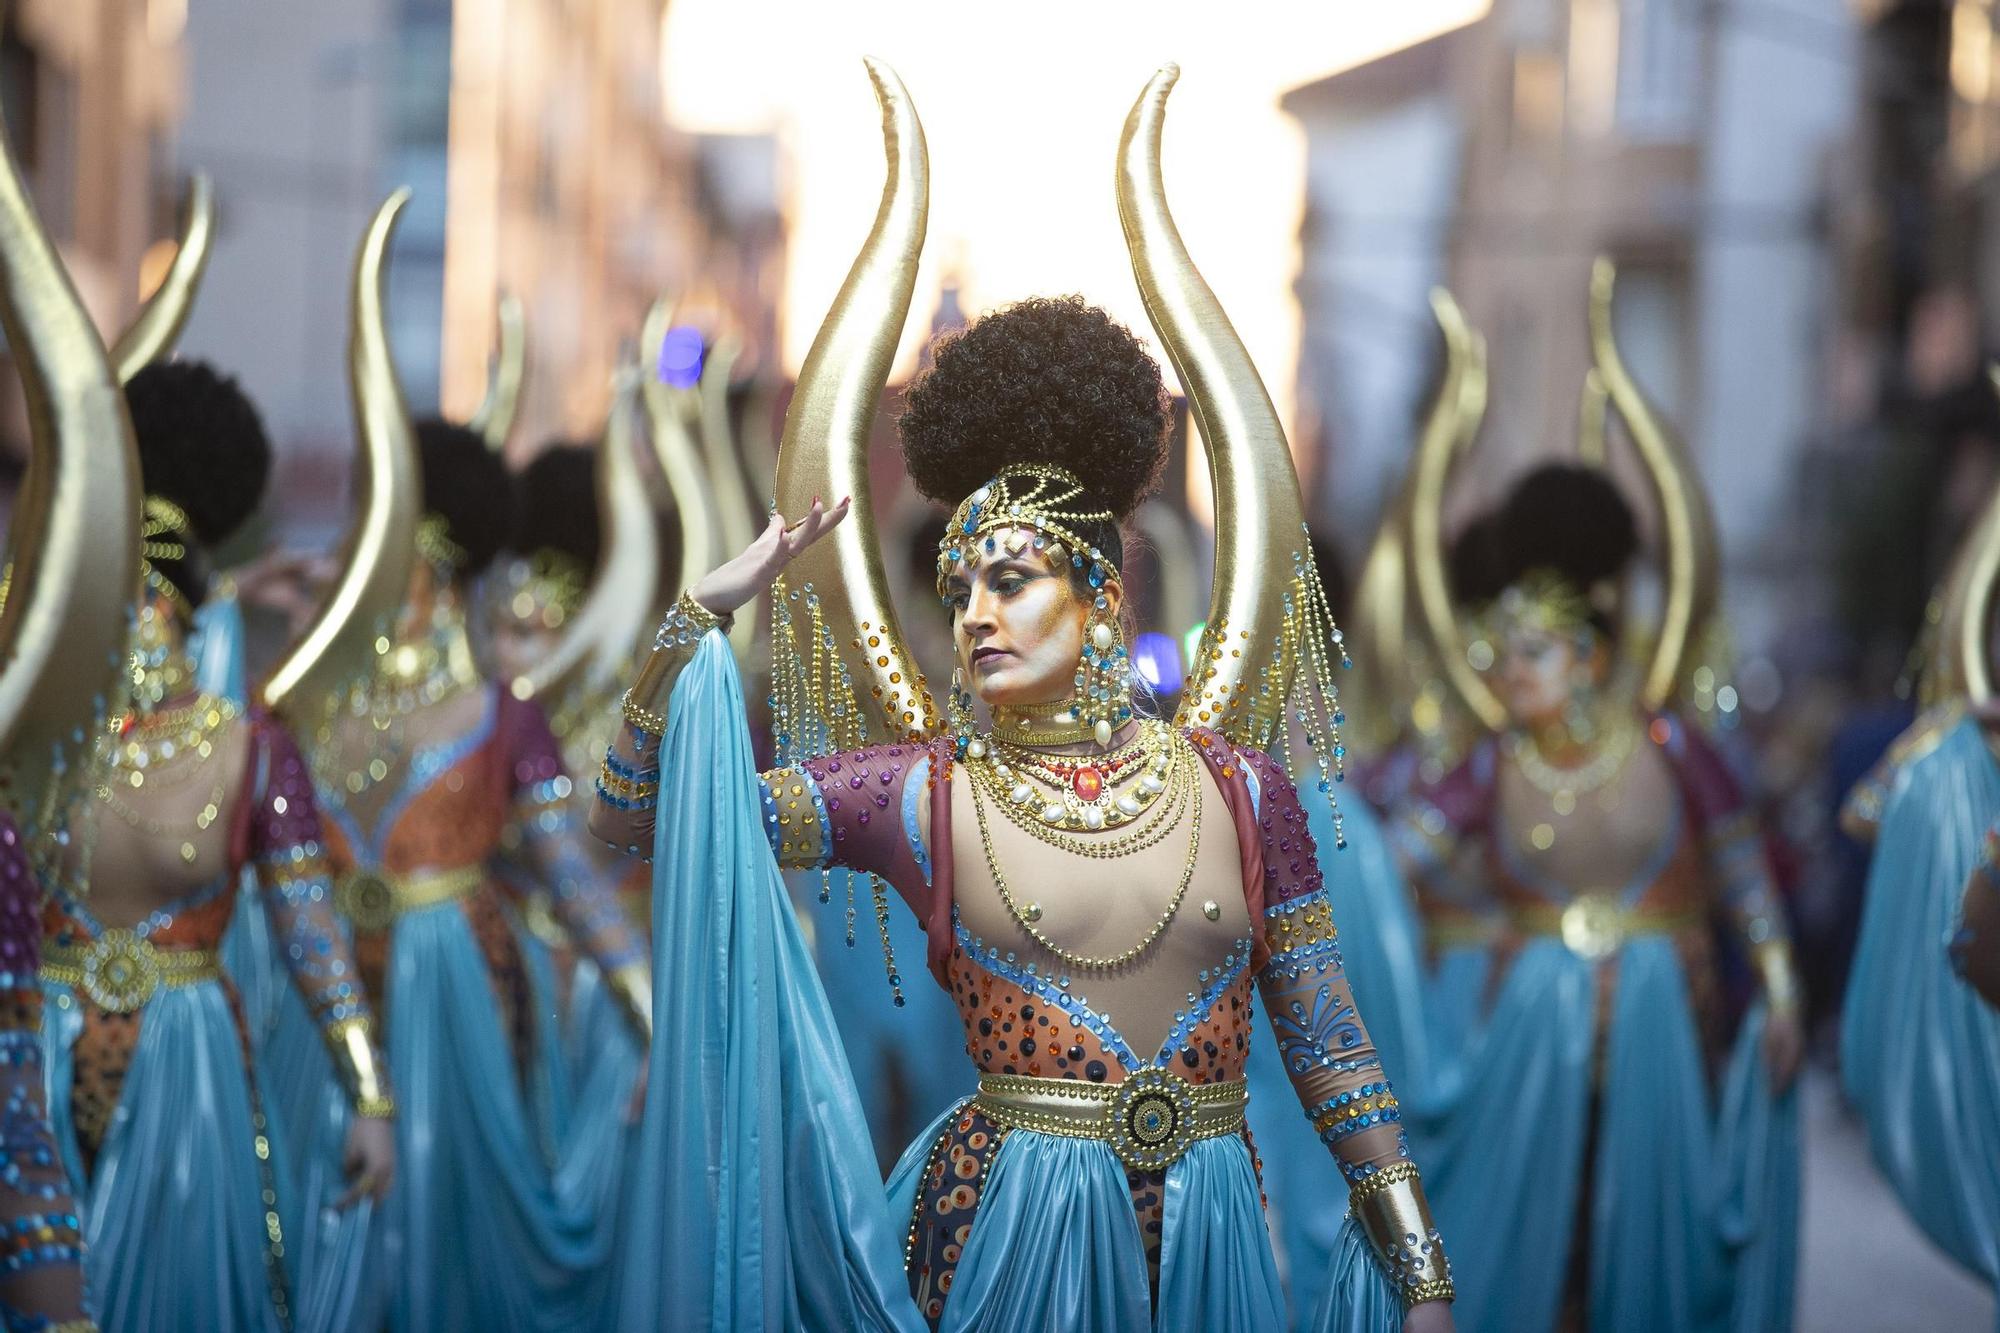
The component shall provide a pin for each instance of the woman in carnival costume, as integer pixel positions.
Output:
(1919, 1050)
(63, 635)
(420, 768)
(1606, 1109)
(145, 1037)
(1076, 861)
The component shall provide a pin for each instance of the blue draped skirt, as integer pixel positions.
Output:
(1693, 1205)
(1919, 1052)
(173, 1211)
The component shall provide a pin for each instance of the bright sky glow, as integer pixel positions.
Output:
(1022, 106)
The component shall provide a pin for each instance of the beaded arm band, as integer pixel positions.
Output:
(626, 786)
(351, 1041)
(1391, 1208)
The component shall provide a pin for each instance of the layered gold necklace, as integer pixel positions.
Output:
(160, 745)
(1098, 806)
(412, 676)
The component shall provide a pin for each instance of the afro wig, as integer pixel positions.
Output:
(1571, 521)
(1046, 380)
(555, 500)
(466, 485)
(202, 446)
(1473, 566)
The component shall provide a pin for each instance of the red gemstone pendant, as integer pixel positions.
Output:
(1088, 783)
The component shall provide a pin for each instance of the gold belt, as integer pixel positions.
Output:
(1149, 1120)
(119, 971)
(1596, 925)
(373, 900)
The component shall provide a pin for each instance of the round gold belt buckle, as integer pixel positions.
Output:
(367, 900)
(120, 971)
(1593, 927)
(1152, 1119)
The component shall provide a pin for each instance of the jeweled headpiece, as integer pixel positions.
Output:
(1025, 498)
(434, 543)
(1541, 599)
(544, 588)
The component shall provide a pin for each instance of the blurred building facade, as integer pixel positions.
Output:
(532, 136)
(92, 95)
(1688, 142)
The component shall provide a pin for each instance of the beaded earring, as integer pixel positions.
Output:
(958, 713)
(1104, 676)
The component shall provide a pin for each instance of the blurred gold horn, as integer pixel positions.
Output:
(1454, 418)
(1593, 446)
(1378, 632)
(494, 419)
(724, 464)
(596, 646)
(1963, 664)
(1259, 516)
(1692, 558)
(678, 456)
(354, 624)
(65, 628)
(824, 451)
(159, 323)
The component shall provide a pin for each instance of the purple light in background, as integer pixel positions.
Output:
(1158, 660)
(680, 357)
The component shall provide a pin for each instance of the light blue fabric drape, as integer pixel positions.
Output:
(1920, 1055)
(173, 1214)
(1693, 1209)
(764, 1210)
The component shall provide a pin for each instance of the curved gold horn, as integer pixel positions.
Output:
(493, 421)
(65, 629)
(824, 450)
(1378, 632)
(1692, 573)
(596, 647)
(678, 456)
(159, 323)
(724, 464)
(355, 622)
(1259, 516)
(1453, 420)
(1593, 447)
(1965, 629)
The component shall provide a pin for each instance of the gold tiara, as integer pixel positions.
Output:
(434, 542)
(1032, 496)
(1545, 600)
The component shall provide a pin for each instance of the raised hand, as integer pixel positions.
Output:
(737, 581)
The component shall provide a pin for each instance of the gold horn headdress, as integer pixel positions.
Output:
(493, 420)
(1267, 611)
(596, 646)
(1690, 552)
(838, 584)
(678, 456)
(158, 325)
(353, 627)
(75, 534)
(1454, 419)
(1961, 664)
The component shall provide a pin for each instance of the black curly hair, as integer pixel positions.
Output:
(202, 446)
(1473, 566)
(1571, 521)
(555, 501)
(466, 484)
(1046, 380)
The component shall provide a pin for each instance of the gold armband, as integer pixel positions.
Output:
(633, 984)
(352, 1044)
(1773, 959)
(673, 648)
(1392, 1211)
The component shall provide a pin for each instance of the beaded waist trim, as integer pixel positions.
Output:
(373, 900)
(1596, 926)
(1150, 1120)
(120, 971)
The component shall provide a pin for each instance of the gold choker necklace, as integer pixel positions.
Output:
(1041, 725)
